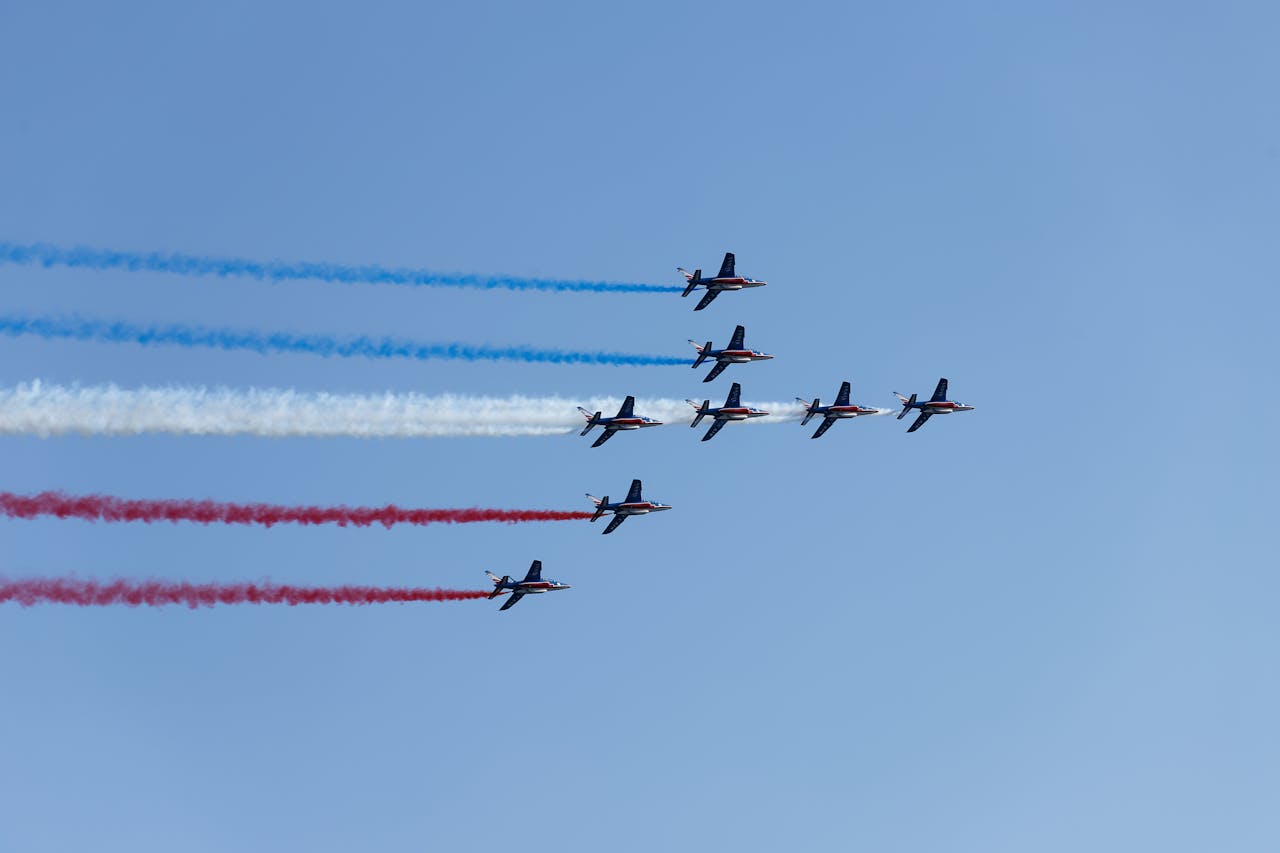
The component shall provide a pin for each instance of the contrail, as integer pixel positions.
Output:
(74, 328)
(113, 509)
(42, 409)
(157, 593)
(43, 254)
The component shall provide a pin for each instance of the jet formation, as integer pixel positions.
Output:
(735, 353)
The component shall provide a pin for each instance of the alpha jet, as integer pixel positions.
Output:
(633, 505)
(938, 404)
(726, 279)
(531, 585)
(837, 411)
(735, 353)
(626, 419)
(732, 410)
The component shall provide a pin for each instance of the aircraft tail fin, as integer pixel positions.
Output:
(600, 505)
(498, 583)
(907, 403)
(702, 352)
(694, 281)
(592, 420)
(809, 409)
(701, 411)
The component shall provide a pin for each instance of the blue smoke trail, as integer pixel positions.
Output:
(74, 328)
(43, 254)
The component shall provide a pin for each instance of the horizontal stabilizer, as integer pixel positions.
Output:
(702, 353)
(600, 508)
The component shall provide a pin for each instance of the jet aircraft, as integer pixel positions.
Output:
(531, 585)
(732, 410)
(938, 404)
(735, 353)
(726, 279)
(626, 419)
(622, 510)
(830, 414)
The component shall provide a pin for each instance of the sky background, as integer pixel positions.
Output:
(1047, 624)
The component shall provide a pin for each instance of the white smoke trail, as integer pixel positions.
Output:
(47, 410)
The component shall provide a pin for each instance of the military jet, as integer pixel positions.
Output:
(830, 414)
(726, 279)
(735, 353)
(732, 410)
(626, 419)
(531, 585)
(633, 505)
(938, 404)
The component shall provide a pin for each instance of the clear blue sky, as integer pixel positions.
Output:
(1048, 624)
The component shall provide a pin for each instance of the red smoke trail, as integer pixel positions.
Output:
(107, 508)
(154, 593)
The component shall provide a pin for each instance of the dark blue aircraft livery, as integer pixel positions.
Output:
(626, 419)
(842, 408)
(532, 584)
(726, 279)
(735, 353)
(635, 504)
(732, 410)
(938, 404)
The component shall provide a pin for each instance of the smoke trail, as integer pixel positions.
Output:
(75, 328)
(156, 593)
(108, 410)
(43, 254)
(111, 509)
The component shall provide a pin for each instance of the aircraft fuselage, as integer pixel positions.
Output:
(740, 414)
(740, 356)
(731, 283)
(534, 587)
(630, 423)
(641, 508)
(943, 407)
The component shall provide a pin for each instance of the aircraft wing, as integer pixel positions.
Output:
(715, 428)
(613, 524)
(716, 371)
(939, 393)
(511, 602)
(919, 422)
(734, 400)
(633, 494)
(706, 299)
(726, 268)
(535, 572)
(826, 425)
(842, 398)
(739, 338)
(628, 409)
(604, 436)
